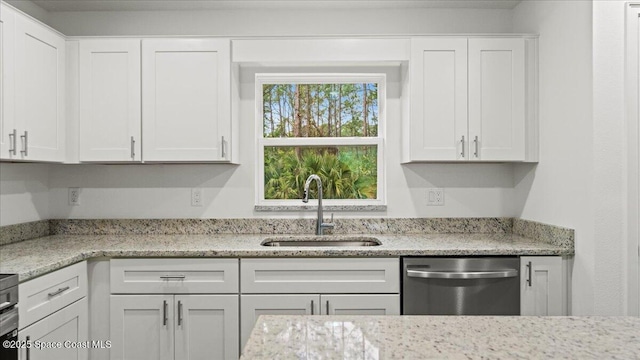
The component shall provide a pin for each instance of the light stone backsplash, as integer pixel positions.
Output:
(382, 226)
(25, 231)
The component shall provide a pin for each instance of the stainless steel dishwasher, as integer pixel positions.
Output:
(460, 286)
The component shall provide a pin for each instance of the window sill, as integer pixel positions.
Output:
(277, 208)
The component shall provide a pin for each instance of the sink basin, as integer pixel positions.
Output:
(325, 241)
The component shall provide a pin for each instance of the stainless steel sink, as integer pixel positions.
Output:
(324, 241)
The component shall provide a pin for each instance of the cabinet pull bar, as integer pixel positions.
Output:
(133, 148)
(327, 307)
(529, 270)
(475, 141)
(312, 306)
(13, 142)
(462, 152)
(59, 291)
(28, 345)
(223, 152)
(179, 313)
(178, 277)
(164, 313)
(25, 142)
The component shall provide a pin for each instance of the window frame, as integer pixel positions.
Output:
(321, 78)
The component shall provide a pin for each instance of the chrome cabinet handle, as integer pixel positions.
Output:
(179, 313)
(178, 277)
(4, 305)
(164, 313)
(529, 271)
(13, 142)
(327, 307)
(60, 290)
(223, 152)
(418, 273)
(462, 152)
(28, 340)
(133, 148)
(312, 306)
(25, 142)
(475, 141)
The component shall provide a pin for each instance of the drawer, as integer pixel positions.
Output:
(174, 276)
(320, 275)
(49, 293)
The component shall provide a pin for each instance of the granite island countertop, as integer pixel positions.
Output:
(32, 258)
(443, 337)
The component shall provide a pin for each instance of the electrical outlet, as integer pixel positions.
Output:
(74, 196)
(435, 197)
(196, 196)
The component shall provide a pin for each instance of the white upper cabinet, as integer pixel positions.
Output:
(110, 100)
(186, 104)
(8, 131)
(39, 91)
(496, 99)
(438, 127)
(469, 99)
(32, 123)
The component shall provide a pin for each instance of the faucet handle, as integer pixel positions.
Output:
(329, 224)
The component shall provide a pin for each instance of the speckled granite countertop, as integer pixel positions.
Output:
(35, 257)
(443, 337)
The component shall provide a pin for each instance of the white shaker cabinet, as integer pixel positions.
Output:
(541, 289)
(8, 131)
(317, 286)
(186, 100)
(33, 90)
(110, 100)
(496, 99)
(155, 313)
(468, 100)
(438, 125)
(67, 327)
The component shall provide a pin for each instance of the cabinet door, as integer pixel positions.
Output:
(110, 100)
(8, 131)
(40, 91)
(496, 99)
(541, 285)
(253, 306)
(360, 304)
(186, 107)
(438, 129)
(206, 327)
(69, 324)
(141, 327)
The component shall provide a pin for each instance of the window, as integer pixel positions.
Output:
(331, 125)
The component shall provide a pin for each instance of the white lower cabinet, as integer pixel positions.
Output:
(317, 286)
(67, 327)
(174, 309)
(541, 288)
(174, 326)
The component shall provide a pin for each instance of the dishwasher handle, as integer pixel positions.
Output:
(423, 273)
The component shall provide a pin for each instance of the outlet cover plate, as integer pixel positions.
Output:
(74, 196)
(196, 196)
(435, 197)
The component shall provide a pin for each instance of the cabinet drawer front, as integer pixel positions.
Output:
(321, 275)
(47, 294)
(174, 276)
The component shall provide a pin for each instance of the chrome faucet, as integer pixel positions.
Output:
(320, 225)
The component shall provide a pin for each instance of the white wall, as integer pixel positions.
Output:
(559, 190)
(283, 22)
(24, 193)
(610, 164)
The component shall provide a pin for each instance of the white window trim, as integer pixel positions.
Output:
(323, 78)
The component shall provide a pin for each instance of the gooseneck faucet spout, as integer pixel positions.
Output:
(320, 224)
